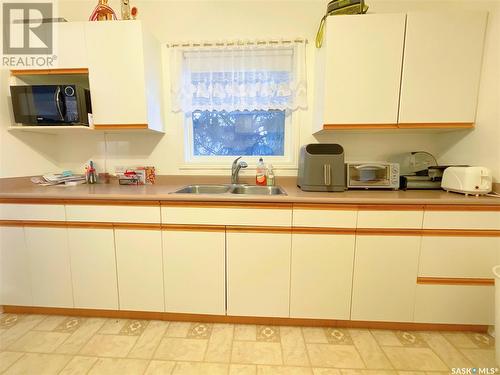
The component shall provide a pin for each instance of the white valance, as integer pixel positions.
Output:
(238, 76)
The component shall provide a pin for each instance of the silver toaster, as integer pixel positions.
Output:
(321, 167)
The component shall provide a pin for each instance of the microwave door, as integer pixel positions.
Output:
(48, 102)
(23, 105)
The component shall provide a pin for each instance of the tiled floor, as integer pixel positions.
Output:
(37, 344)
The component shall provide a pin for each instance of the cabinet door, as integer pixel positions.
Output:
(69, 50)
(385, 278)
(49, 261)
(322, 266)
(116, 72)
(93, 268)
(15, 279)
(362, 68)
(258, 274)
(140, 269)
(194, 272)
(442, 66)
(69, 45)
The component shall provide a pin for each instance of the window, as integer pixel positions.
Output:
(238, 133)
(238, 100)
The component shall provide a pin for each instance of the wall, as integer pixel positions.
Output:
(212, 20)
(22, 153)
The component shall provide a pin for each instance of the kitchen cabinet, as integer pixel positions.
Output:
(453, 270)
(455, 304)
(49, 265)
(194, 271)
(69, 50)
(385, 273)
(321, 276)
(358, 71)
(258, 273)
(38, 212)
(140, 269)
(15, 278)
(459, 257)
(125, 77)
(441, 67)
(93, 268)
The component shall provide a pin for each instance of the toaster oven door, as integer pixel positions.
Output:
(369, 175)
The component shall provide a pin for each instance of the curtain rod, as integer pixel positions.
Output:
(237, 43)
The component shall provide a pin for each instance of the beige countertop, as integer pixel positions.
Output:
(21, 187)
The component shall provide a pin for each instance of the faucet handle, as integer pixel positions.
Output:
(243, 164)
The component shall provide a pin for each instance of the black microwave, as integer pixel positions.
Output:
(51, 104)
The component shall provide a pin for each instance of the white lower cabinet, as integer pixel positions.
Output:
(459, 257)
(455, 304)
(194, 272)
(140, 269)
(258, 274)
(93, 268)
(321, 276)
(385, 276)
(49, 264)
(15, 279)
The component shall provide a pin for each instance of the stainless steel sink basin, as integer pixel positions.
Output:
(257, 190)
(232, 189)
(203, 189)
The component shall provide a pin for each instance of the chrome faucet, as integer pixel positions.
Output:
(235, 170)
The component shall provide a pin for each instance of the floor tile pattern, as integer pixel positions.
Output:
(39, 344)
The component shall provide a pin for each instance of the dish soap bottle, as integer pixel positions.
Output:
(260, 176)
(271, 180)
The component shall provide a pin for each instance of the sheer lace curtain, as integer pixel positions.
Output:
(238, 76)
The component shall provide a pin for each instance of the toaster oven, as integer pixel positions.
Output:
(372, 175)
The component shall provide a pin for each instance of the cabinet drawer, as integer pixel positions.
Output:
(462, 220)
(390, 219)
(459, 256)
(226, 216)
(325, 218)
(455, 304)
(45, 212)
(116, 214)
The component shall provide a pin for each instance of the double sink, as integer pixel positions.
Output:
(231, 189)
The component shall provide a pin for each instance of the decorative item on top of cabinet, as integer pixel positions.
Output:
(102, 12)
(338, 7)
(125, 10)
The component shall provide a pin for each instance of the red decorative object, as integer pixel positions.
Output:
(133, 12)
(102, 12)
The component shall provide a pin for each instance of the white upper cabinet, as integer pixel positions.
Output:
(358, 70)
(69, 45)
(442, 67)
(124, 75)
